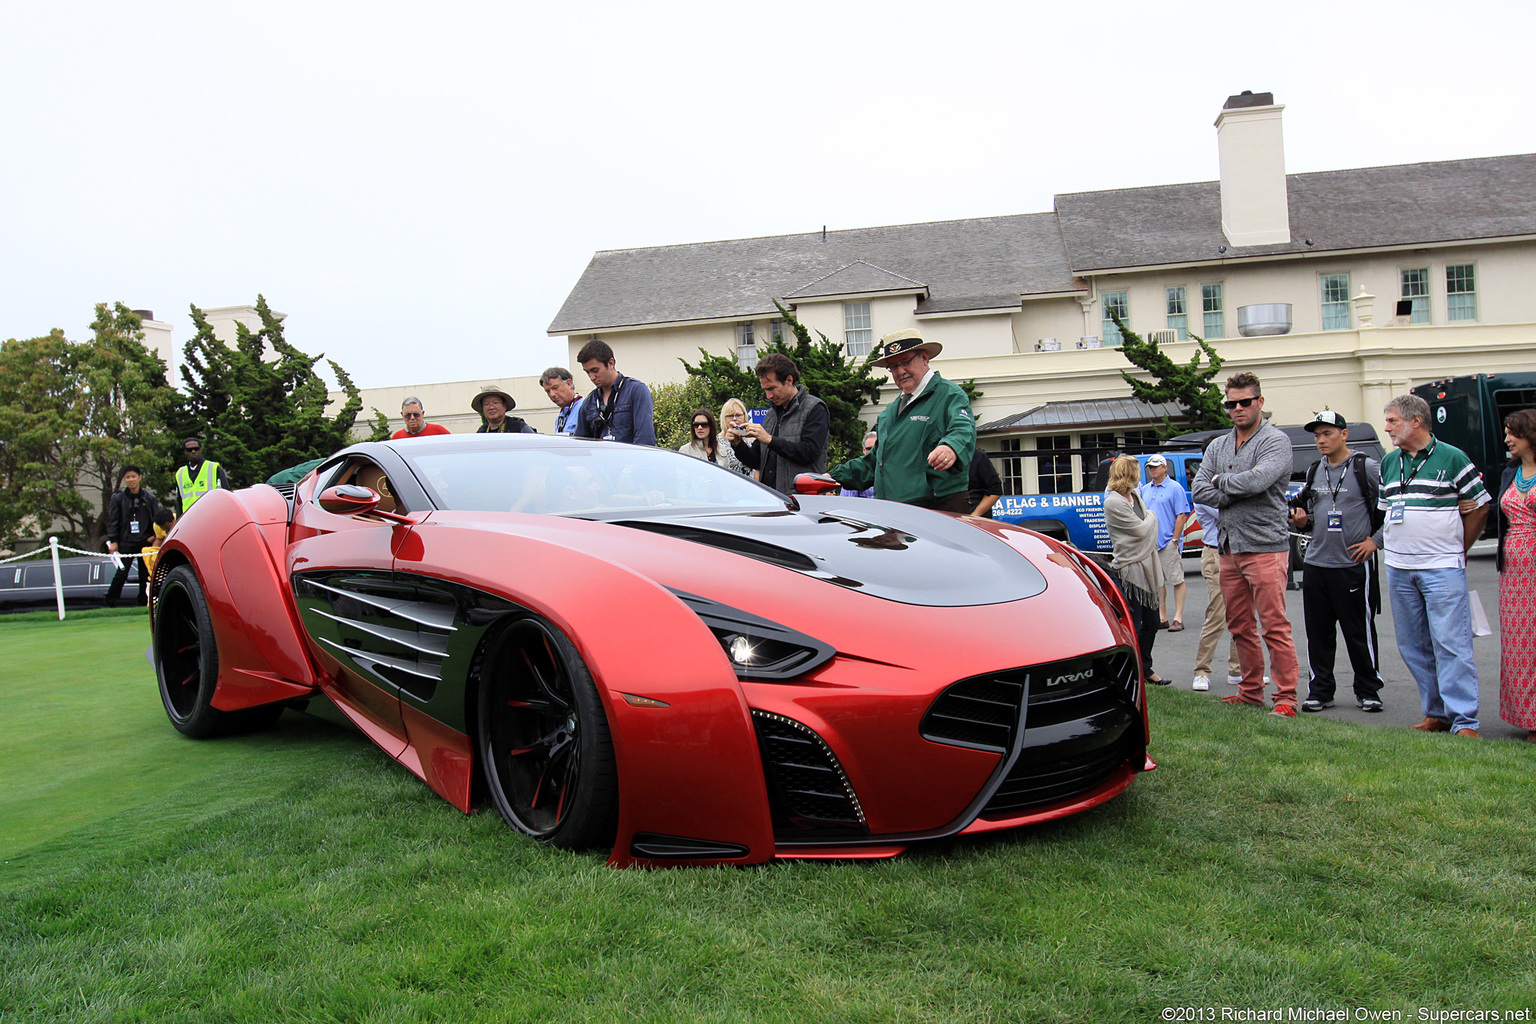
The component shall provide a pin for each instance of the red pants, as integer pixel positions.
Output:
(1254, 587)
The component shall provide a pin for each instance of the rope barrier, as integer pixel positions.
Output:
(53, 549)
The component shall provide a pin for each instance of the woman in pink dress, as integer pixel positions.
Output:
(1517, 575)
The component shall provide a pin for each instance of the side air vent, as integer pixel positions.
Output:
(809, 794)
(388, 631)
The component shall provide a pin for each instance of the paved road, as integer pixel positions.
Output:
(1174, 655)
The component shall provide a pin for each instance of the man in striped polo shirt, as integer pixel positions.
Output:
(1424, 485)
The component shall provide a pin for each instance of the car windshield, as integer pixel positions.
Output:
(585, 480)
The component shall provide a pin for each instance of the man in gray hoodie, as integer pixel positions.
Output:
(1245, 475)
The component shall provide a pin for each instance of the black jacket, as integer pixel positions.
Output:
(799, 445)
(125, 508)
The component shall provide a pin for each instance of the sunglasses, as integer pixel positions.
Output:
(413, 415)
(700, 423)
(1233, 403)
(191, 451)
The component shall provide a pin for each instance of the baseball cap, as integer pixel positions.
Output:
(1327, 418)
(1157, 460)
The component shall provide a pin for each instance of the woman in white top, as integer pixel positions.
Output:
(733, 417)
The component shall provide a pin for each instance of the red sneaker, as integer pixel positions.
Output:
(1284, 711)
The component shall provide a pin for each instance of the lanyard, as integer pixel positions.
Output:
(1333, 488)
(1407, 477)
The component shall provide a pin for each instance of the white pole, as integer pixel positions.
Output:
(58, 581)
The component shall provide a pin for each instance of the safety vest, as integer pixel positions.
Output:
(190, 489)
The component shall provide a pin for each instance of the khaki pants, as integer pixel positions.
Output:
(1215, 618)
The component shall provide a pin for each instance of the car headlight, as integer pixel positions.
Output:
(757, 648)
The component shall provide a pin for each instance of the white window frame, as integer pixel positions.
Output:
(1213, 311)
(1413, 284)
(779, 332)
(858, 331)
(1461, 304)
(1011, 465)
(746, 345)
(1121, 301)
(1176, 300)
(1336, 313)
(1060, 475)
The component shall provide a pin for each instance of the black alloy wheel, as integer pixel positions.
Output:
(187, 662)
(544, 740)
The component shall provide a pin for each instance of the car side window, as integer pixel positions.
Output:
(367, 473)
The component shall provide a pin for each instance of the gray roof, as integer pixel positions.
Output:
(995, 262)
(984, 263)
(1363, 208)
(1089, 412)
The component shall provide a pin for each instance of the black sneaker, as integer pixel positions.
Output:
(1315, 705)
(1367, 704)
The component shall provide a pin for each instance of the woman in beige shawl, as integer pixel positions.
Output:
(1133, 538)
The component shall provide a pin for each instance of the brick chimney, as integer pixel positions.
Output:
(1251, 150)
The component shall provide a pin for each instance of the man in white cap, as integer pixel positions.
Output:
(1167, 499)
(493, 404)
(924, 440)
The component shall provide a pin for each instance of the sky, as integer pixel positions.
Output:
(418, 187)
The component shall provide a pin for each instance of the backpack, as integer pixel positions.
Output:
(1362, 480)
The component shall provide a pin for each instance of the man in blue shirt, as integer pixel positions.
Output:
(620, 408)
(1171, 505)
(561, 389)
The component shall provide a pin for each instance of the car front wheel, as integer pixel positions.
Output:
(544, 740)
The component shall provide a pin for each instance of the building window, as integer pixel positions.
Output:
(1119, 304)
(1416, 290)
(1460, 292)
(1211, 307)
(1335, 302)
(1141, 441)
(857, 329)
(1096, 448)
(1055, 470)
(780, 334)
(1011, 466)
(746, 346)
(1178, 313)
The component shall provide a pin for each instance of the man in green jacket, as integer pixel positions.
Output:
(922, 454)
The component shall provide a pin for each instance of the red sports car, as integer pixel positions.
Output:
(622, 645)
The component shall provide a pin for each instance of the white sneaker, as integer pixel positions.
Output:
(1201, 683)
(1235, 680)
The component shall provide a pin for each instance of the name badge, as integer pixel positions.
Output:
(1335, 521)
(133, 527)
(1395, 512)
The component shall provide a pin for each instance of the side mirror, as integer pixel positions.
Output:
(348, 500)
(816, 483)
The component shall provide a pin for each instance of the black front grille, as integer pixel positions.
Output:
(1047, 775)
(981, 712)
(809, 795)
(1080, 721)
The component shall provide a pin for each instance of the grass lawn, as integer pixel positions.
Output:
(301, 875)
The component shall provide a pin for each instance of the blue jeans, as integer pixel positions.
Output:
(1433, 620)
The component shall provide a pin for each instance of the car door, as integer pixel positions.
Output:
(341, 568)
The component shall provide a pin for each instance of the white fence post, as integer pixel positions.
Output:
(58, 581)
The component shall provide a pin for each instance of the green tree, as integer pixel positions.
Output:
(846, 385)
(259, 405)
(1189, 386)
(675, 402)
(39, 459)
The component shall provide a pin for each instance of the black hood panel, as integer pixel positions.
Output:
(887, 550)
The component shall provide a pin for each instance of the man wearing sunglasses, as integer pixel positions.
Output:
(198, 476)
(1244, 476)
(416, 425)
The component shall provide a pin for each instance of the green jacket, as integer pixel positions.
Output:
(898, 464)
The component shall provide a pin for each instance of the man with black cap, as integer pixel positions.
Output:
(493, 404)
(1339, 582)
(924, 440)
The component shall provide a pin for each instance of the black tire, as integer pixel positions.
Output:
(544, 741)
(186, 656)
(187, 663)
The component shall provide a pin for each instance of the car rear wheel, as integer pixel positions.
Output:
(544, 740)
(187, 662)
(186, 657)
